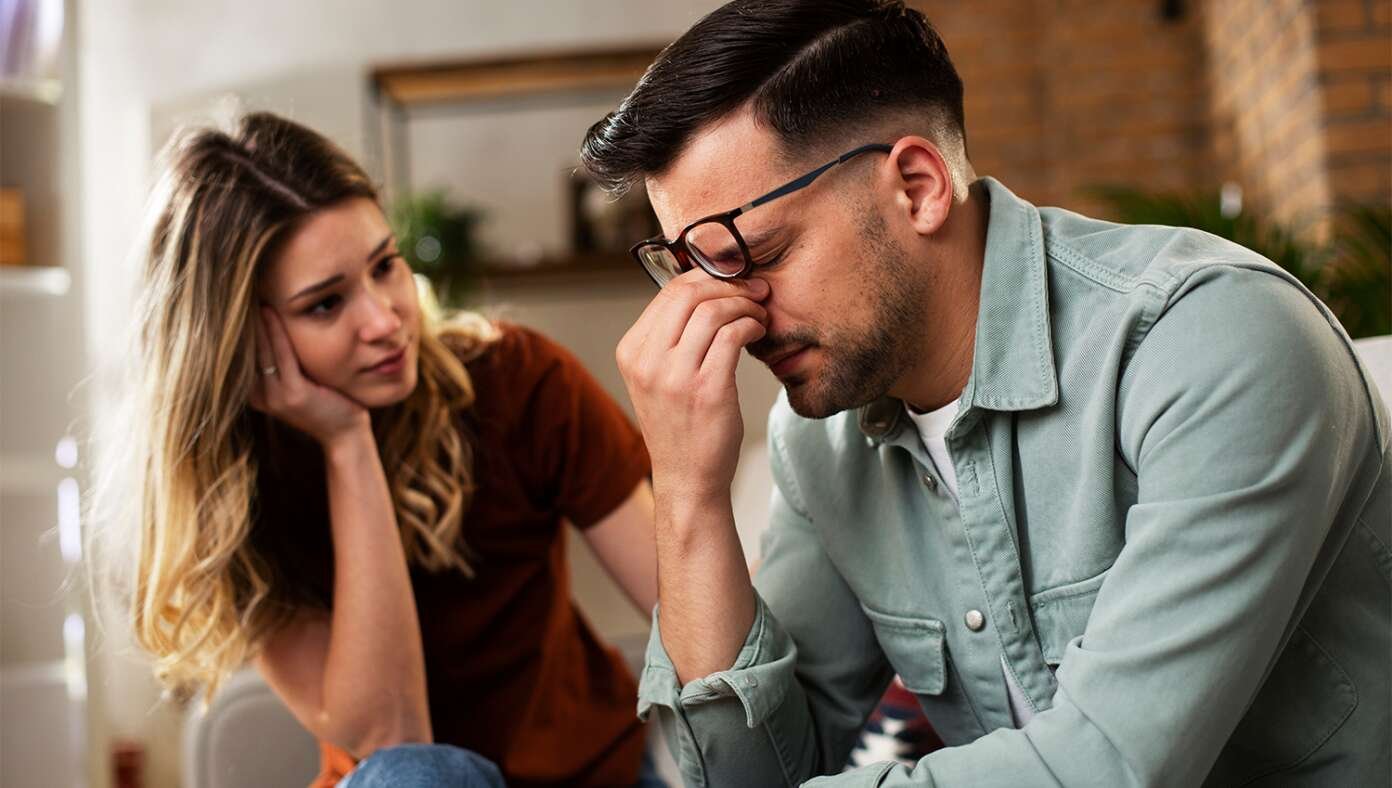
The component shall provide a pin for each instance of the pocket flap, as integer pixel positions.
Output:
(915, 648)
(1061, 614)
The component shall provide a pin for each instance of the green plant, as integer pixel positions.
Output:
(439, 239)
(1351, 272)
(1357, 277)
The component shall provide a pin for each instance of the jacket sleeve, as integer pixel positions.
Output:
(808, 675)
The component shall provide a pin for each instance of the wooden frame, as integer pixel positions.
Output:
(398, 91)
(486, 78)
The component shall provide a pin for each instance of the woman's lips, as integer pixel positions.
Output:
(391, 365)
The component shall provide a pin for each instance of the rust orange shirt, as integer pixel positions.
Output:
(514, 672)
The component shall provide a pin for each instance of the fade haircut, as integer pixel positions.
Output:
(818, 73)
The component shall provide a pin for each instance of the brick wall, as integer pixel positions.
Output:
(1266, 106)
(1064, 94)
(1291, 99)
(1354, 52)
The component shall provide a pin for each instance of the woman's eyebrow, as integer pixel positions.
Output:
(314, 288)
(336, 278)
(377, 250)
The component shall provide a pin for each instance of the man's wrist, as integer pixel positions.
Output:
(683, 500)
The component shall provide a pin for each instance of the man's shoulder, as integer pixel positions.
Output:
(1142, 259)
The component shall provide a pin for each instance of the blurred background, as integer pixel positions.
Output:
(1268, 121)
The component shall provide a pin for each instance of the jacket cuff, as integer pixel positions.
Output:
(759, 676)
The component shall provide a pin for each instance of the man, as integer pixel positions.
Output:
(1112, 501)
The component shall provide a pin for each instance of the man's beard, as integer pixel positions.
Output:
(859, 367)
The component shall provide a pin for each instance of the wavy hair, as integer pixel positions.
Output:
(180, 499)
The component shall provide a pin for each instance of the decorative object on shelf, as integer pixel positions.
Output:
(13, 249)
(440, 241)
(31, 35)
(603, 224)
(1351, 272)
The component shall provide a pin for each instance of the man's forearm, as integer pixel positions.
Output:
(706, 598)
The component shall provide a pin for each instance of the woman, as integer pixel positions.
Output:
(365, 504)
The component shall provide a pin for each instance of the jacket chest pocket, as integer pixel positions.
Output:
(1061, 615)
(915, 648)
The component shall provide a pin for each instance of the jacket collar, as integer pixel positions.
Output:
(1013, 361)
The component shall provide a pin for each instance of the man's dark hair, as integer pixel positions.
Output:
(812, 70)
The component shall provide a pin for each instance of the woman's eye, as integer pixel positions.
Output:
(385, 265)
(324, 306)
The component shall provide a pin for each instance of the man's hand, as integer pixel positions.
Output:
(678, 362)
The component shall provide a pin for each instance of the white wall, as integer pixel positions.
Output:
(144, 63)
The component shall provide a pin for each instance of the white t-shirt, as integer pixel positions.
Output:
(932, 430)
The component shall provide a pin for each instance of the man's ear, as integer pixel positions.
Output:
(922, 183)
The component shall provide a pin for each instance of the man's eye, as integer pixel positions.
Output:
(770, 260)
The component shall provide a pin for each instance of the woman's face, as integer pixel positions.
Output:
(348, 303)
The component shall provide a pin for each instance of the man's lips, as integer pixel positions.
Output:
(784, 359)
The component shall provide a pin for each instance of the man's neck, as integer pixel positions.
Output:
(949, 318)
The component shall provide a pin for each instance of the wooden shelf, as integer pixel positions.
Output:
(34, 280)
(434, 82)
(39, 91)
(561, 267)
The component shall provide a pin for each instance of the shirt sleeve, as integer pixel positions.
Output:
(799, 692)
(1245, 419)
(582, 453)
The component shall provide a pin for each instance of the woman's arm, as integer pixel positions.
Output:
(355, 676)
(623, 540)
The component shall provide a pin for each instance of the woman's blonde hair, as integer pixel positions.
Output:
(189, 478)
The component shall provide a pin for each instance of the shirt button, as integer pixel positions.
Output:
(930, 482)
(751, 681)
(975, 620)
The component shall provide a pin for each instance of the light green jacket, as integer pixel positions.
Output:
(1174, 519)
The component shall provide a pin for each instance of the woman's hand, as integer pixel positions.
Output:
(283, 391)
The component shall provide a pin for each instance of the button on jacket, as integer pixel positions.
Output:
(1171, 540)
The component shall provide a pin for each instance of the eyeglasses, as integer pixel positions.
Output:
(714, 243)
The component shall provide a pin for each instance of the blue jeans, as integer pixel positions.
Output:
(445, 766)
(424, 765)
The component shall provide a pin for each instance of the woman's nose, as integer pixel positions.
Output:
(381, 319)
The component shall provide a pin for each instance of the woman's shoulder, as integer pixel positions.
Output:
(505, 353)
(517, 373)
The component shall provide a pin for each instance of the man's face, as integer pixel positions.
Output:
(844, 299)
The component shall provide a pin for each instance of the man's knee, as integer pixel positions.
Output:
(409, 765)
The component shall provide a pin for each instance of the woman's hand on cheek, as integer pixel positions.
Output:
(282, 390)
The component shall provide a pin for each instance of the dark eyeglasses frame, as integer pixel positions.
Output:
(678, 248)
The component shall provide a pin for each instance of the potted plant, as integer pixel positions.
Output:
(439, 239)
